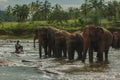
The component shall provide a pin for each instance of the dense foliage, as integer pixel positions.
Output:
(94, 10)
(43, 13)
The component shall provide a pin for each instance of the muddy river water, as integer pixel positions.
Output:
(28, 66)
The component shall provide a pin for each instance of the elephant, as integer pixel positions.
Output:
(75, 43)
(96, 39)
(60, 43)
(46, 39)
(41, 35)
(116, 40)
(51, 40)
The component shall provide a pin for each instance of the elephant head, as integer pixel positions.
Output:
(35, 36)
(93, 32)
(41, 35)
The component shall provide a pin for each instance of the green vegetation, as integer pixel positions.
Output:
(24, 19)
(25, 30)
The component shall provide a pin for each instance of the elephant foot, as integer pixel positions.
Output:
(97, 61)
(64, 57)
(71, 61)
(83, 61)
(49, 55)
(78, 59)
(45, 56)
(91, 64)
(106, 62)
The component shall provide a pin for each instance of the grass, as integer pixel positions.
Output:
(24, 25)
(14, 28)
(16, 37)
(70, 25)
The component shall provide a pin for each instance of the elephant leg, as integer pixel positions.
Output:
(60, 50)
(59, 53)
(45, 49)
(79, 51)
(106, 56)
(100, 56)
(49, 51)
(40, 53)
(91, 55)
(34, 42)
(64, 52)
(85, 48)
(54, 50)
(71, 54)
(84, 56)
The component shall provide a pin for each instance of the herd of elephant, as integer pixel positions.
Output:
(63, 44)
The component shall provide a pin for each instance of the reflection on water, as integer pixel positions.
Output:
(28, 66)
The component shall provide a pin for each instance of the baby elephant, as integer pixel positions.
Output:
(75, 43)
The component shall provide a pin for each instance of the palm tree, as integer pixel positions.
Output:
(97, 7)
(46, 7)
(35, 9)
(9, 11)
(116, 9)
(113, 9)
(16, 10)
(25, 12)
(21, 12)
(85, 9)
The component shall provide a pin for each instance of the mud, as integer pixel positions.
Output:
(28, 66)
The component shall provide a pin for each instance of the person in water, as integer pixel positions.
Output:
(18, 47)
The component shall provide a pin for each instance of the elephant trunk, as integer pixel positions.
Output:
(34, 42)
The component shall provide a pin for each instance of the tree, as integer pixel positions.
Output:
(35, 10)
(71, 12)
(9, 11)
(97, 6)
(58, 15)
(21, 12)
(46, 8)
(113, 9)
(85, 8)
(94, 6)
(25, 12)
(40, 10)
(74, 13)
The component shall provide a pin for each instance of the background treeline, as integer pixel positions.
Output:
(43, 13)
(90, 10)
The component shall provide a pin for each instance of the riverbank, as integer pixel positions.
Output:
(25, 30)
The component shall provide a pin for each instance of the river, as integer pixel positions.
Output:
(28, 66)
